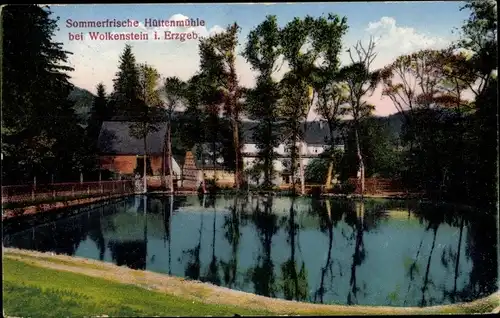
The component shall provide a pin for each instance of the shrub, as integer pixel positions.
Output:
(347, 187)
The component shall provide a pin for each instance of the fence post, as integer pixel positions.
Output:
(54, 193)
(88, 189)
(100, 183)
(73, 191)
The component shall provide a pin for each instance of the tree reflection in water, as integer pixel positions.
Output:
(262, 274)
(95, 233)
(454, 261)
(212, 274)
(132, 253)
(232, 234)
(359, 254)
(329, 213)
(294, 283)
(193, 264)
(482, 249)
(167, 210)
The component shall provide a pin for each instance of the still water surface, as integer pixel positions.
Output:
(324, 251)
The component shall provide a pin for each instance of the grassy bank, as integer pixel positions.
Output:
(33, 291)
(43, 285)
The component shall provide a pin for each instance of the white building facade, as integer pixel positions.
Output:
(314, 143)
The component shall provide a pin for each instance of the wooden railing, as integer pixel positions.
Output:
(378, 185)
(33, 192)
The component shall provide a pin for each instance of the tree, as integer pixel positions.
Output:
(318, 167)
(413, 81)
(37, 133)
(192, 116)
(219, 51)
(262, 52)
(331, 91)
(211, 99)
(126, 86)
(191, 127)
(98, 113)
(316, 170)
(379, 148)
(147, 101)
(297, 95)
(360, 81)
(484, 168)
(305, 43)
(479, 37)
(174, 90)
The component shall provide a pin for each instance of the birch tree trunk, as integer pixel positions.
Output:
(169, 157)
(237, 168)
(331, 128)
(360, 160)
(328, 184)
(203, 175)
(293, 160)
(301, 168)
(144, 177)
(214, 161)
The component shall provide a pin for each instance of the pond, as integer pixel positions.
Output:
(376, 252)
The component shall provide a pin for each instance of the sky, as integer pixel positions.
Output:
(399, 27)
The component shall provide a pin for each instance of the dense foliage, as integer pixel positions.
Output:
(446, 148)
(39, 123)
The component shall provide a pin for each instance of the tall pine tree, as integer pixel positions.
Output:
(39, 124)
(98, 113)
(126, 86)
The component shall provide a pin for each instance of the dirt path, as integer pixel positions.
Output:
(218, 295)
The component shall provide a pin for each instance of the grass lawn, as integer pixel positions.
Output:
(32, 291)
(44, 285)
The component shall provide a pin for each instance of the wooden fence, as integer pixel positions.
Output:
(372, 186)
(35, 192)
(378, 185)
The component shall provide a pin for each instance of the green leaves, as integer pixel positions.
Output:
(148, 86)
(263, 46)
(175, 91)
(147, 98)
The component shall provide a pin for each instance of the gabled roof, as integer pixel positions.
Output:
(159, 114)
(316, 132)
(115, 138)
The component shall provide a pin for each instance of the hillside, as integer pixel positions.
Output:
(83, 102)
(393, 122)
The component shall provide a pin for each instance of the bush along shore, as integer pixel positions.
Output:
(59, 285)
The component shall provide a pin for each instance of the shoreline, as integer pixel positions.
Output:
(211, 294)
(35, 209)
